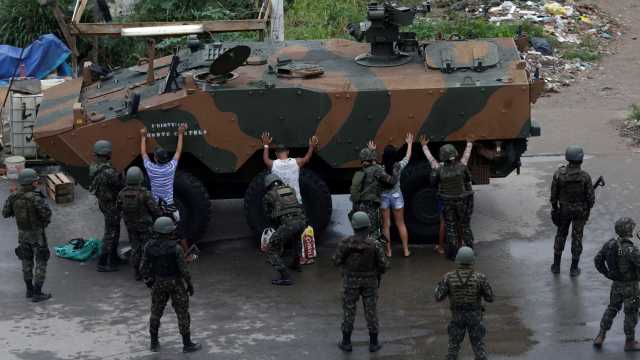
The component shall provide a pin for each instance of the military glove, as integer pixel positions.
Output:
(190, 289)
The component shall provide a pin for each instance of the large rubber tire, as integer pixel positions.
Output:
(421, 203)
(315, 196)
(192, 200)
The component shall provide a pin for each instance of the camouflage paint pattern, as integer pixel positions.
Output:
(346, 106)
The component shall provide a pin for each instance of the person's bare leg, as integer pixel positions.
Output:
(398, 216)
(386, 225)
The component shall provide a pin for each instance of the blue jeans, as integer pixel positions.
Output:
(392, 200)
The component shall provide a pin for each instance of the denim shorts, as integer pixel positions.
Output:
(392, 200)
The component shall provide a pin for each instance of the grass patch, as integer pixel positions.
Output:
(470, 28)
(581, 54)
(634, 114)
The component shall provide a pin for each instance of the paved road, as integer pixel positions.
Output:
(237, 314)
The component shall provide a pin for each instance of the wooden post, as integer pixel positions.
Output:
(151, 55)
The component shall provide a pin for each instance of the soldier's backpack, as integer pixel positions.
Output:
(132, 204)
(286, 201)
(611, 259)
(357, 185)
(100, 182)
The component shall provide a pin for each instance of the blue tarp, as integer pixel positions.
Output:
(40, 59)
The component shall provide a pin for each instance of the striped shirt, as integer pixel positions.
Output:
(161, 178)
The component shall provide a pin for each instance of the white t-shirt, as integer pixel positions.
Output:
(289, 171)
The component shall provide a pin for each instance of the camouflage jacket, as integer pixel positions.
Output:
(619, 260)
(106, 183)
(369, 183)
(138, 206)
(572, 185)
(359, 256)
(163, 259)
(30, 209)
(465, 288)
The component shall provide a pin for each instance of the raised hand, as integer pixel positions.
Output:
(266, 138)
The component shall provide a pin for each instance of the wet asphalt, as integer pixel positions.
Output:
(238, 314)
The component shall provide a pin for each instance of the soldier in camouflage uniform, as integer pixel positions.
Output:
(164, 270)
(367, 186)
(32, 214)
(287, 217)
(465, 289)
(106, 183)
(619, 260)
(138, 210)
(454, 189)
(363, 263)
(572, 198)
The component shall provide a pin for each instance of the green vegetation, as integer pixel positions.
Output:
(581, 54)
(23, 21)
(469, 28)
(634, 114)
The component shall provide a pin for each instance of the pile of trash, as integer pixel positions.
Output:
(631, 126)
(576, 34)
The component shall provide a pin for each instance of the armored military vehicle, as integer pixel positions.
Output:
(379, 87)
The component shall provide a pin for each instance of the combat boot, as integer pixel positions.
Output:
(345, 344)
(187, 345)
(631, 345)
(155, 343)
(575, 270)
(599, 340)
(29, 285)
(284, 279)
(374, 346)
(38, 295)
(555, 267)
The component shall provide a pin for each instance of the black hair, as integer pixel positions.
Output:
(161, 155)
(389, 158)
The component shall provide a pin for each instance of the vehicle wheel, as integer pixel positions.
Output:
(421, 203)
(192, 200)
(315, 196)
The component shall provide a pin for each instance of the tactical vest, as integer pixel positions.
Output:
(133, 206)
(452, 179)
(370, 188)
(24, 208)
(164, 258)
(571, 184)
(464, 289)
(362, 256)
(285, 202)
(100, 186)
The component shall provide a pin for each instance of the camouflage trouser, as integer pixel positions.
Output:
(290, 229)
(461, 323)
(576, 217)
(33, 248)
(375, 216)
(457, 217)
(161, 292)
(622, 293)
(138, 237)
(350, 296)
(111, 236)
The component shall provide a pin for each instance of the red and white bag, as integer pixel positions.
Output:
(308, 247)
(265, 240)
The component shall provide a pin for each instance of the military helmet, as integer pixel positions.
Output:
(102, 147)
(465, 256)
(574, 153)
(625, 226)
(161, 155)
(164, 225)
(27, 177)
(448, 152)
(360, 220)
(270, 179)
(367, 154)
(134, 176)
